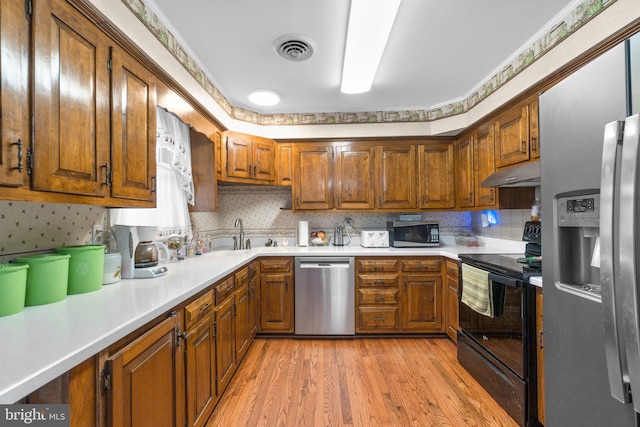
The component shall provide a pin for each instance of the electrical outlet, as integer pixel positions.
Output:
(96, 234)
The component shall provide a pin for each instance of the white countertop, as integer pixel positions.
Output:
(42, 342)
(536, 281)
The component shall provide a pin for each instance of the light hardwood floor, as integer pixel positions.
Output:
(355, 382)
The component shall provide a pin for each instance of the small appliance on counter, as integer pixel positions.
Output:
(374, 238)
(139, 255)
(413, 234)
(339, 237)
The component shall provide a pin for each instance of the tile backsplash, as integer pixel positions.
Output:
(27, 227)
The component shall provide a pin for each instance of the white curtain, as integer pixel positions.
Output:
(174, 182)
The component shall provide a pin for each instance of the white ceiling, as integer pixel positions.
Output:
(438, 51)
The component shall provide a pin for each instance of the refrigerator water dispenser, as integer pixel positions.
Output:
(578, 230)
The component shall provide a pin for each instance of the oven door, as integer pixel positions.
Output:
(504, 334)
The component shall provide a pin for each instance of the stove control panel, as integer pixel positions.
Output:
(532, 231)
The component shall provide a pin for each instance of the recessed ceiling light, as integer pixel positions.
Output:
(264, 98)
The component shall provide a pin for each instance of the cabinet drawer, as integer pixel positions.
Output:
(198, 309)
(452, 269)
(242, 276)
(377, 280)
(378, 318)
(223, 290)
(377, 264)
(422, 265)
(276, 265)
(253, 269)
(378, 296)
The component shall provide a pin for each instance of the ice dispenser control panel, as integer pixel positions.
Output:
(583, 211)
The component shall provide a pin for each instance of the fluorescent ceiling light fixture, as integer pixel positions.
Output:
(370, 23)
(264, 98)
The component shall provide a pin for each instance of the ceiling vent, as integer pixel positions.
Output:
(294, 47)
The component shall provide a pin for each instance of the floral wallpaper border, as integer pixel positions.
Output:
(566, 26)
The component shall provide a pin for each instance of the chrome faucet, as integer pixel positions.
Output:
(241, 243)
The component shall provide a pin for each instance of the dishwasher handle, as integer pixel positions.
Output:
(324, 262)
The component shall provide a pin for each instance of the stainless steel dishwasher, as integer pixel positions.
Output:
(324, 296)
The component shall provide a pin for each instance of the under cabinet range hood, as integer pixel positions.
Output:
(525, 175)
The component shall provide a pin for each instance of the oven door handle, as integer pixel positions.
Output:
(508, 281)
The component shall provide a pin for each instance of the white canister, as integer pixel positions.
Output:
(112, 268)
(303, 233)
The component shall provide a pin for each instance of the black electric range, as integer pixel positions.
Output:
(497, 347)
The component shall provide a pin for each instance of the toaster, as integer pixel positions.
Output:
(374, 239)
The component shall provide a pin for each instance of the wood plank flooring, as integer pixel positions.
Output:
(355, 382)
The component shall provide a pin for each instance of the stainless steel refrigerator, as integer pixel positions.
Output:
(590, 209)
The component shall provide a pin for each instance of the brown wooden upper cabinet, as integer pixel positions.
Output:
(484, 165)
(465, 173)
(250, 159)
(83, 143)
(436, 176)
(354, 177)
(284, 161)
(517, 135)
(395, 176)
(14, 122)
(312, 176)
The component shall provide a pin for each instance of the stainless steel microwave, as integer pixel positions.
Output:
(412, 234)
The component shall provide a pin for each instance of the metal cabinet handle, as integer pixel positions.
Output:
(523, 149)
(206, 306)
(534, 144)
(155, 184)
(108, 171)
(378, 319)
(254, 171)
(541, 340)
(405, 285)
(19, 144)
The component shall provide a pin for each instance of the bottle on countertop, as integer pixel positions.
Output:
(535, 210)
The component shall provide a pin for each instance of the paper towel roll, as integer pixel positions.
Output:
(303, 233)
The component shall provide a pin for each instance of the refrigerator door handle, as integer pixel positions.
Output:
(614, 348)
(628, 273)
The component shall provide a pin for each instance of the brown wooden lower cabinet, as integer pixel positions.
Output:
(145, 379)
(451, 298)
(200, 369)
(399, 295)
(276, 295)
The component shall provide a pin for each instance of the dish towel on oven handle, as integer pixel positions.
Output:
(476, 290)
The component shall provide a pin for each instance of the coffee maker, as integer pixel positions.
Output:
(139, 252)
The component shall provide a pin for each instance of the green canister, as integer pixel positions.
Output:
(86, 267)
(47, 278)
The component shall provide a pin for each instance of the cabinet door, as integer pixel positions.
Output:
(533, 130)
(485, 165)
(396, 171)
(254, 308)
(204, 176)
(14, 101)
(436, 177)
(465, 173)
(284, 161)
(225, 344)
(354, 177)
(71, 101)
(312, 171)
(147, 380)
(133, 123)
(264, 161)
(421, 303)
(452, 308)
(200, 371)
(276, 303)
(220, 157)
(512, 137)
(241, 312)
(239, 157)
